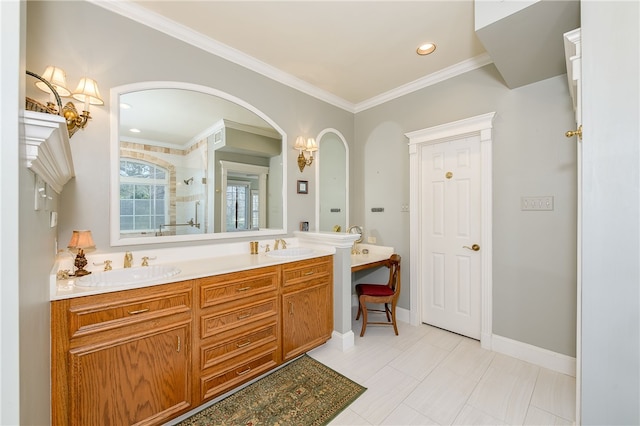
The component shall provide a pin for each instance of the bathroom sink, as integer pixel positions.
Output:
(127, 276)
(291, 252)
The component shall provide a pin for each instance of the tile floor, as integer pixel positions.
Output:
(428, 376)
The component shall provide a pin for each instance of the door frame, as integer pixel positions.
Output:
(480, 125)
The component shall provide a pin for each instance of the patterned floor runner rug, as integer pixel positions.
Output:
(303, 392)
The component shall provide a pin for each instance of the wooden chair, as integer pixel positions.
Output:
(383, 294)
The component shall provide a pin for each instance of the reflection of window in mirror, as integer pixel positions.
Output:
(143, 196)
(255, 209)
(242, 206)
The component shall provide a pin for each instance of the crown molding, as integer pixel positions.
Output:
(428, 80)
(160, 23)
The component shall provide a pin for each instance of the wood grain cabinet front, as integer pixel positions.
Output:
(237, 323)
(307, 292)
(145, 356)
(122, 366)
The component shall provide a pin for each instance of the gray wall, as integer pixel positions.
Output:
(534, 257)
(115, 51)
(611, 208)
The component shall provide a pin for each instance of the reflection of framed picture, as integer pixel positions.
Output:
(304, 226)
(303, 187)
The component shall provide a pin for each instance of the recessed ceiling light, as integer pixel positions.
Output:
(425, 49)
(125, 106)
(134, 130)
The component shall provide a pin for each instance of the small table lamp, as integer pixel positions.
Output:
(81, 240)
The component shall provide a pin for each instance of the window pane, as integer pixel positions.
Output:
(142, 222)
(126, 191)
(126, 223)
(126, 207)
(142, 207)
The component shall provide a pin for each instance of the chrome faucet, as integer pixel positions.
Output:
(128, 259)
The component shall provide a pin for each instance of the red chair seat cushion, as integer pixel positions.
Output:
(374, 290)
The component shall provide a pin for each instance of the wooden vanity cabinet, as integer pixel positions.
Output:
(307, 300)
(237, 329)
(122, 358)
(147, 355)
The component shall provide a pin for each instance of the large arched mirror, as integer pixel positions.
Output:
(332, 203)
(189, 162)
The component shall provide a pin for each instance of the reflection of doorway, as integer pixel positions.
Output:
(238, 205)
(478, 130)
(241, 183)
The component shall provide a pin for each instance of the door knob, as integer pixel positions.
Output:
(474, 247)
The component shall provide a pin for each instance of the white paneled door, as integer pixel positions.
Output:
(450, 214)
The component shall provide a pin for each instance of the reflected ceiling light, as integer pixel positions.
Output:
(305, 145)
(425, 49)
(135, 130)
(87, 92)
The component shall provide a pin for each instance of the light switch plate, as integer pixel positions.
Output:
(536, 203)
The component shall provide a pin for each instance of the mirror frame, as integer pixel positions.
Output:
(114, 151)
(317, 174)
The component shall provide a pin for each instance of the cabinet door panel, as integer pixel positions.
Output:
(141, 380)
(305, 321)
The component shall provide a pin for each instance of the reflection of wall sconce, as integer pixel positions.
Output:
(308, 145)
(87, 92)
(81, 241)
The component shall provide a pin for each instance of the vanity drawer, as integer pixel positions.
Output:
(219, 322)
(92, 314)
(237, 286)
(217, 353)
(219, 382)
(307, 270)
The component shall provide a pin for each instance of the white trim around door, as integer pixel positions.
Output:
(481, 126)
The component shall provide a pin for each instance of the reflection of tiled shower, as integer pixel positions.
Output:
(193, 222)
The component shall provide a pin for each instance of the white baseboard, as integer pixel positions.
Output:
(342, 341)
(542, 357)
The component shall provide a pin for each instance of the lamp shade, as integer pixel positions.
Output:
(301, 143)
(87, 92)
(57, 78)
(81, 240)
(311, 145)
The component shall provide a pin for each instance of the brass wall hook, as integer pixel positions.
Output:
(572, 133)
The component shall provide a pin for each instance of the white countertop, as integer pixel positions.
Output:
(189, 269)
(376, 254)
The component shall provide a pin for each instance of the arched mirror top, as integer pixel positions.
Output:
(169, 141)
(332, 175)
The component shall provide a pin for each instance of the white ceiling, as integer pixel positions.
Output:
(349, 53)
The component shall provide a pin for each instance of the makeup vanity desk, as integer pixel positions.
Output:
(376, 257)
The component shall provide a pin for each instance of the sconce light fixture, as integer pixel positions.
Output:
(87, 92)
(305, 145)
(81, 241)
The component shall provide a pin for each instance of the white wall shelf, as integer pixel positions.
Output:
(48, 150)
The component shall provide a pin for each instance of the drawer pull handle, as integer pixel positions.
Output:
(242, 345)
(240, 373)
(178, 348)
(243, 289)
(290, 308)
(240, 317)
(309, 273)
(139, 311)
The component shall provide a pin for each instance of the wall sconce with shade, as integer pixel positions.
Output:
(81, 241)
(305, 145)
(87, 92)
